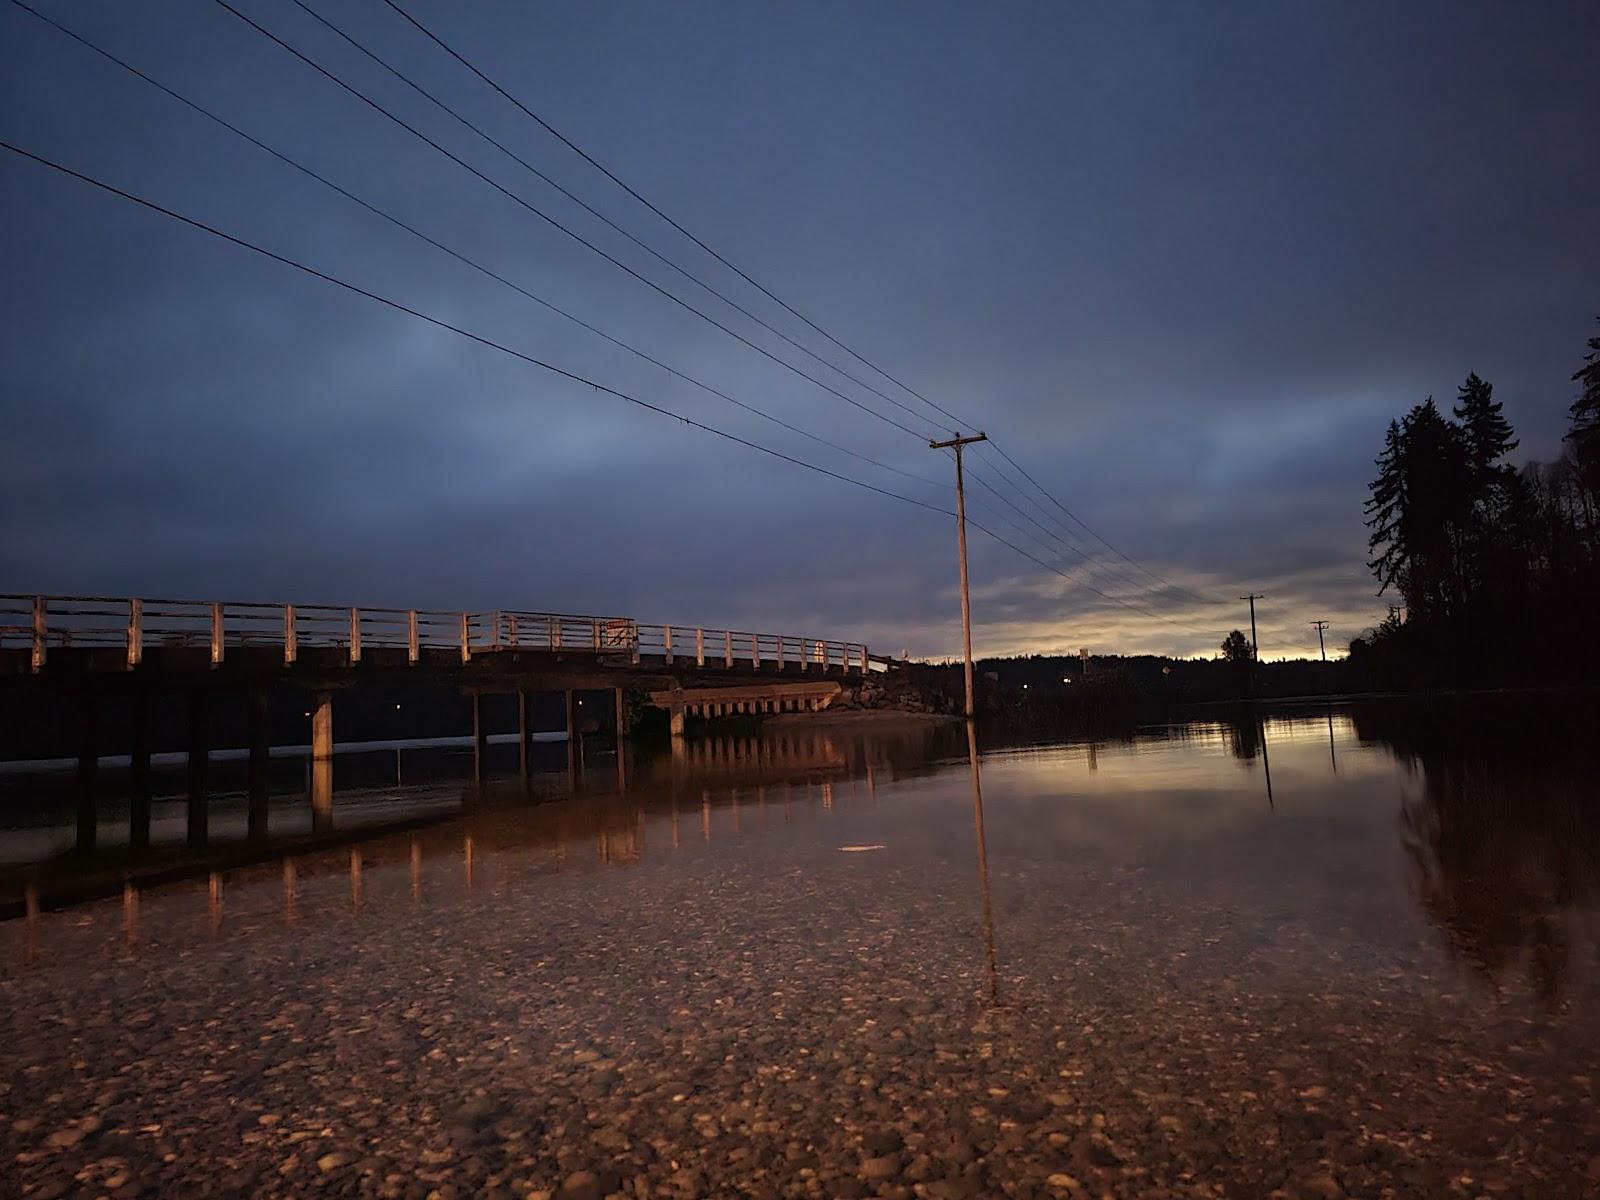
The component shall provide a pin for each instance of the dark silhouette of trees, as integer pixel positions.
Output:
(1236, 648)
(1496, 566)
(1585, 433)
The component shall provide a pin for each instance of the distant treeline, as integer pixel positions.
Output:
(1144, 681)
(1498, 569)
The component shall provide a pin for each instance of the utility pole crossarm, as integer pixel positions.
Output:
(961, 545)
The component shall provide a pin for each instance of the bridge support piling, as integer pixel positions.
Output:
(571, 709)
(198, 761)
(88, 773)
(480, 741)
(322, 725)
(322, 761)
(524, 736)
(259, 750)
(622, 734)
(139, 778)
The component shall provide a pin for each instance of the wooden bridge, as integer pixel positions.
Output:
(93, 652)
(97, 633)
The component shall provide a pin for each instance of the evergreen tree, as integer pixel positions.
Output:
(1384, 508)
(1492, 540)
(1585, 410)
(1236, 648)
(1418, 513)
(1484, 428)
(1487, 438)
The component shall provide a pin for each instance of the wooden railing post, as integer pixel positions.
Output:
(291, 638)
(216, 635)
(699, 647)
(597, 635)
(863, 660)
(755, 651)
(780, 652)
(555, 633)
(516, 634)
(40, 609)
(494, 637)
(805, 655)
(666, 641)
(135, 633)
(466, 638)
(413, 648)
(354, 654)
(727, 647)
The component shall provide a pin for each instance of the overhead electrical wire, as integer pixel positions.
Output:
(855, 354)
(591, 210)
(542, 215)
(289, 161)
(588, 208)
(474, 264)
(480, 339)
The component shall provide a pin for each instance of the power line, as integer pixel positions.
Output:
(1060, 536)
(597, 165)
(590, 209)
(542, 215)
(998, 449)
(456, 329)
(585, 155)
(396, 305)
(475, 265)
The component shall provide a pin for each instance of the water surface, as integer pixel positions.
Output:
(1322, 952)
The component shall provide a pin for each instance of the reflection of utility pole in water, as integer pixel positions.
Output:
(983, 863)
(1266, 762)
(1333, 758)
(1094, 758)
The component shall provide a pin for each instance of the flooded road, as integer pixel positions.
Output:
(1305, 953)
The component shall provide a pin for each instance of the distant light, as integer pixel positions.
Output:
(580, 703)
(307, 713)
(397, 708)
(1024, 687)
(1064, 679)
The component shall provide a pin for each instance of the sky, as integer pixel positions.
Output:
(1181, 262)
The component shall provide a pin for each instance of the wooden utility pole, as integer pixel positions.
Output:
(961, 549)
(1255, 652)
(1320, 626)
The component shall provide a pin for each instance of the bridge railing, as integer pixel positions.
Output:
(40, 624)
(734, 649)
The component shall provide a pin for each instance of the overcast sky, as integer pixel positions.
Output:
(1183, 261)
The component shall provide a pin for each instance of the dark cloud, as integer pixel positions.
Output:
(1184, 261)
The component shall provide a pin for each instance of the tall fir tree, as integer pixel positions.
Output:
(1385, 505)
(1585, 410)
(1484, 429)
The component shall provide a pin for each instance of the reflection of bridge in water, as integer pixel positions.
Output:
(609, 790)
(710, 789)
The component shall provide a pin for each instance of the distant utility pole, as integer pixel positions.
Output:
(1321, 625)
(1255, 651)
(961, 549)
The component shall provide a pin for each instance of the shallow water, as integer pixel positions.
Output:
(1349, 951)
